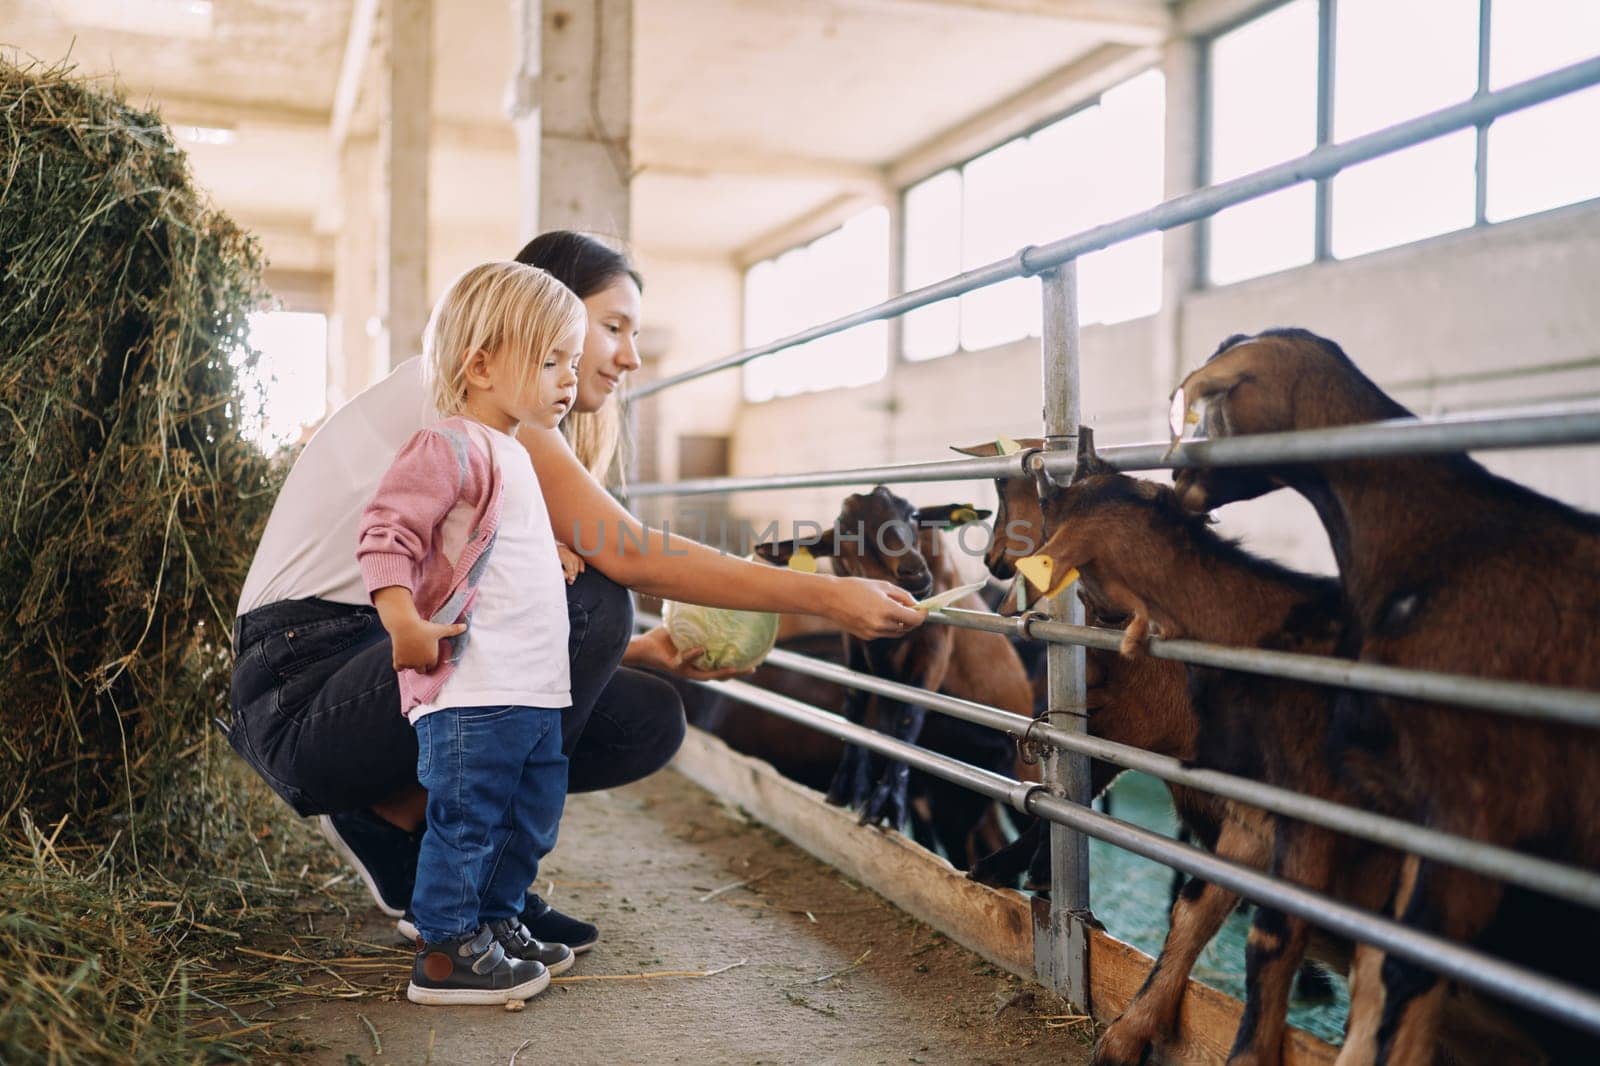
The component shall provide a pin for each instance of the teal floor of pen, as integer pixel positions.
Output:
(1132, 896)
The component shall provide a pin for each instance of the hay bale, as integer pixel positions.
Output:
(130, 503)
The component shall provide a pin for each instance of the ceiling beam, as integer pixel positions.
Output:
(1121, 21)
(288, 241)
(1079, 82)
(190, 110)
(357, 47)
(654, 155)
(194, 110)
(808, 227)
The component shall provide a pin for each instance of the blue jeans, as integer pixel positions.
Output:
(496, 781)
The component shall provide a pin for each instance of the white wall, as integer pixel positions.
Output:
(690, 318)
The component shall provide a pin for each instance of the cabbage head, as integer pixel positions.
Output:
(737, 639)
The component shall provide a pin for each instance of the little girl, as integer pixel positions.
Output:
(459, 556)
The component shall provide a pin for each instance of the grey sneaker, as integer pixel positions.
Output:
(473, 969)
(518, 943)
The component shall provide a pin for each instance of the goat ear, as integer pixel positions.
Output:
(797, 554)
(1232, 365)
(1089, 462)
(776, 552)
(948, 516)
(1149, 490)
(1223, 373)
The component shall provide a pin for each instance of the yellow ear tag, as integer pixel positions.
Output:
(1007, 446)
(1178, 413)
(1040, 572)
(962, 515)
(802, 560)
(1180, 416)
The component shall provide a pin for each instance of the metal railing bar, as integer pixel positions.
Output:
(1563, 424)
(1548, 427)
(1501, 978)
(1502, 864)
(941, 470)
(1518, 698)
(1321, 162)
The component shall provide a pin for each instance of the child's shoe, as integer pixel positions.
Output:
(518, 943)
(473, 969)
(549, 925)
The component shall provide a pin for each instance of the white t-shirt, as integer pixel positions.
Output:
(516, 651)
(309, 546)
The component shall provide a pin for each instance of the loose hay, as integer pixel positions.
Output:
(131, 845)
(128, 498)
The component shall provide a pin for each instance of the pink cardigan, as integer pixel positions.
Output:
(402, 541)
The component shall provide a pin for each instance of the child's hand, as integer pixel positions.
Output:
(571, 562)
(416, 646)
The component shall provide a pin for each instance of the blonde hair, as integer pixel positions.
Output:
(596, 438)
(520, 311)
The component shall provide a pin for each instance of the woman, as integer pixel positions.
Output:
(315, 701)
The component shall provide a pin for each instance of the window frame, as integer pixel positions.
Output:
(1322, 221)
(891, 265)
(959, 166)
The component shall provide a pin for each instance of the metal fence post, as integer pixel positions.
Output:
(1061, 944)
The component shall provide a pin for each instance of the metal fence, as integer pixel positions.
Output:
(1063, 799)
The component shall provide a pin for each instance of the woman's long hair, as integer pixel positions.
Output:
(587, 266)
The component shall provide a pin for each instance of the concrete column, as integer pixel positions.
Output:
(1180, 273)
(523, 95)
(353, 361)
(405, 102)
(585, 156)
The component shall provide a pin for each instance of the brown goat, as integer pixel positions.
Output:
(1249, 724)
(1146, 703)
(1446, 567)
(1137, 550)
(881, 535)
(1131, 535)
(1141, 702)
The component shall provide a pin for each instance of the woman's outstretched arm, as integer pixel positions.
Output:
(675, 568)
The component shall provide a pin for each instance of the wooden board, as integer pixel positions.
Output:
(994, 923)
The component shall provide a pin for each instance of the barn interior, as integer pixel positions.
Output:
(771, 165)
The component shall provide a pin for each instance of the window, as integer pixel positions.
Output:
(932, 252)
(1095, 165)
(1263, 88)
(838, 273)
(1545, 156)
(292, 371)
(1392, 62)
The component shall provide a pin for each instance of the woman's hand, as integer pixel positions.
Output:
(869, 609)
(656, 651)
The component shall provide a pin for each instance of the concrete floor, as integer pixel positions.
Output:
(639, 862)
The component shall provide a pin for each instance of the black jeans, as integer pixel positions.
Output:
(316, 705)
